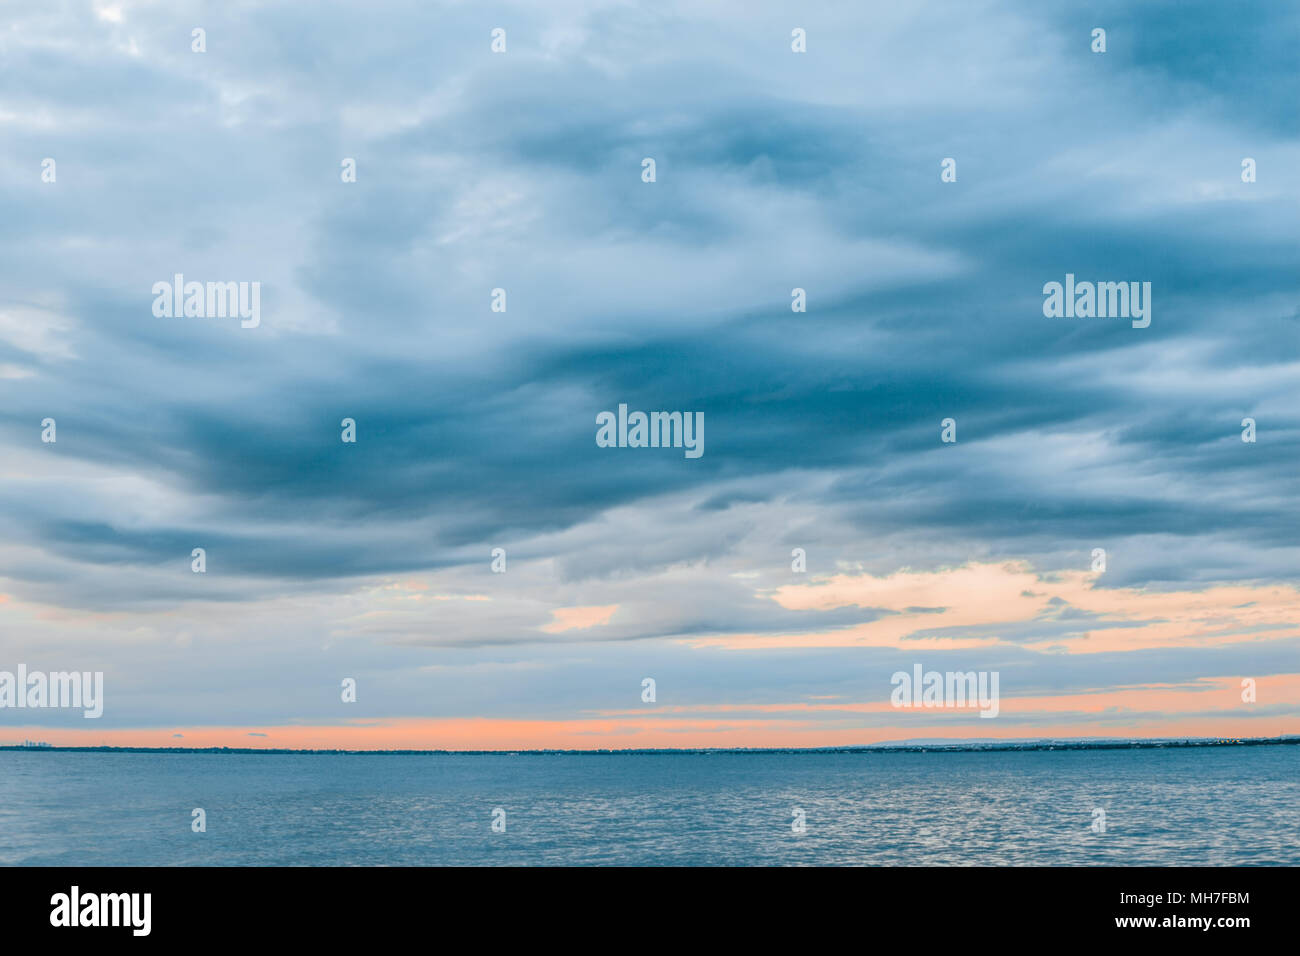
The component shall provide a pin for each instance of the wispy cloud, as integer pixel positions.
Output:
(522, 171)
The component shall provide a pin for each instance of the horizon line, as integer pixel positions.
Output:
(954, 746)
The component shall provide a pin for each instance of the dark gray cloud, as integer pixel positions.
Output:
(476, 428)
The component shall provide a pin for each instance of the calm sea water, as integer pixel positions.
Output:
(1204, 806)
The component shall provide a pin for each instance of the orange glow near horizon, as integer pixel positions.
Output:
(801, 724)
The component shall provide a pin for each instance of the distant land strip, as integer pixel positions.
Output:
(937, 747)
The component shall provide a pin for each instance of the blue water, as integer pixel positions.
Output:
(1215, 806)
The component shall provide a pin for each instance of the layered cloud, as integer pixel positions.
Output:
(522, 171)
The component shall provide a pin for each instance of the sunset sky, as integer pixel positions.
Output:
(476, 429)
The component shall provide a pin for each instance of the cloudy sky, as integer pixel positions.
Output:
(476, 428)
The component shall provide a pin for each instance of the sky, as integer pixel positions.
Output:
(476, 428)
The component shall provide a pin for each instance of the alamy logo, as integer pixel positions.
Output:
(56, 689)
(211, 300)
(951, 689)
(656, 430)
(1102, 300)
(103, 909)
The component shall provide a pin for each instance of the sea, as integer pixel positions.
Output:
(1216, 806)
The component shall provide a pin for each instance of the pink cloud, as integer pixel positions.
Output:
(576, 618)
(987, 598)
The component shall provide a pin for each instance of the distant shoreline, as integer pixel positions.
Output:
(937, 747)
